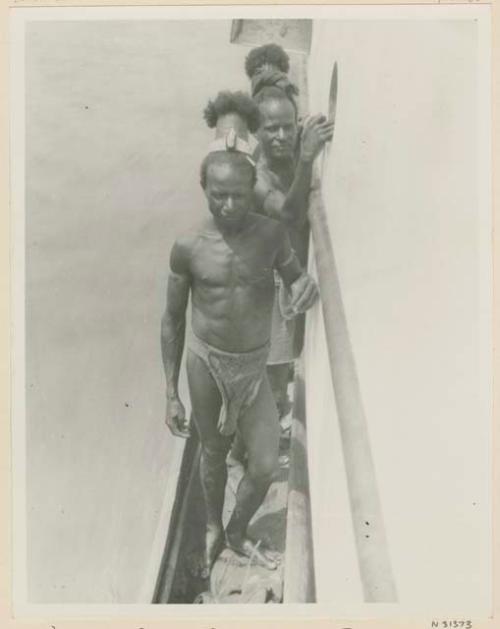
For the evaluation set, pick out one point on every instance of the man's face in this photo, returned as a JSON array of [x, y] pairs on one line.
[[278, 129], [229, 190]]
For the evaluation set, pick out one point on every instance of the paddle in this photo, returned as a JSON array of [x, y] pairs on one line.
[[332, 111], [373, 556]]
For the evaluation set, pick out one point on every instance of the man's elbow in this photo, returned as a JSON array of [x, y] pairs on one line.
[[298, 223], [164, 327], [171, 323], [293, 218]]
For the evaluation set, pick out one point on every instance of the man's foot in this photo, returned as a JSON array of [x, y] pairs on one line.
[[286, 425], [214, 543], [283, 460], [284, 409], [254, 551]]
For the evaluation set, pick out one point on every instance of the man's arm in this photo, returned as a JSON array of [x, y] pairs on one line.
[[291, 208], [302, 286], [286, 262], [173, 329]]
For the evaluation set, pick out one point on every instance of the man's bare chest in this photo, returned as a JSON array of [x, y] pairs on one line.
[[280, 181], [219, 264]]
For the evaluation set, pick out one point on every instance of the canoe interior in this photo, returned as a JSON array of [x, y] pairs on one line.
[[234, 579]]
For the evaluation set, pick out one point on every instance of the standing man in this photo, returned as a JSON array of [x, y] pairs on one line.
[[284, 175], [227, 265]]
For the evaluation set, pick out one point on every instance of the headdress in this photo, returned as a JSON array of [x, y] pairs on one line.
[[267, 66], [234, 115]]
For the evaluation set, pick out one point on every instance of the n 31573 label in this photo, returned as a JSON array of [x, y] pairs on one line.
[[451, 624]]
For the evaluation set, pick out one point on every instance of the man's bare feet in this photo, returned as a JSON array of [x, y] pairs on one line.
[[214, 543], [253, 550]]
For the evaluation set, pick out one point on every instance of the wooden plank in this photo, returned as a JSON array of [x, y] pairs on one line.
[[293, 35], [187, 476], [300, 585]]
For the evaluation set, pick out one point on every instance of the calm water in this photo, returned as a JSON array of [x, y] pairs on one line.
[[114, 142]]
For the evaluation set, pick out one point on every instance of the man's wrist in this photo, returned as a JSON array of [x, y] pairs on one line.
[[306, 158], [172, 395], [301, 276]]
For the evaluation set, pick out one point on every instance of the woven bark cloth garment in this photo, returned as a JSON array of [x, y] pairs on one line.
[[238, 376]]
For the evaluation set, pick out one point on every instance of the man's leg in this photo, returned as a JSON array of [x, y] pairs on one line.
[[237, 453], [260, 431], [279, 376], [206, 402]]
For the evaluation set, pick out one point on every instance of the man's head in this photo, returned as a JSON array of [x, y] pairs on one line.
[[228, 173], [267, 67], [228, 179], [278, 129], [265, 57]]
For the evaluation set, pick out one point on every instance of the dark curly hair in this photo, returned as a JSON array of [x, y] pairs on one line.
[[232, 102], [227, 157], [269, 53], [276, 93]]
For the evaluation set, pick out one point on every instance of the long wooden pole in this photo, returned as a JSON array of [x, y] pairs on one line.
[[366, 512], [373, 555], [369, 532]]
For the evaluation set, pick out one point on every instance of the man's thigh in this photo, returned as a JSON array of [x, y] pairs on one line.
[[259, 427], [206, 400]]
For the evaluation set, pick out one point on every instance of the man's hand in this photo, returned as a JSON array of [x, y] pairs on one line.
[[316, 132], [304, 293], [176, 418]]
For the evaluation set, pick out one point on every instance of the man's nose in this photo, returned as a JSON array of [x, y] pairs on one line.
[[228, 205], [281, 133]]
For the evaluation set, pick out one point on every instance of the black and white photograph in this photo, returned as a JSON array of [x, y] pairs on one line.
[[252, 311]]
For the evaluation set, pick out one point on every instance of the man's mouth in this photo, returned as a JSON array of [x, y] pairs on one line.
[[281, 148], [230, 217]]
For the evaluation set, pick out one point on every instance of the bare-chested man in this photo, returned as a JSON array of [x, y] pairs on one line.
[[227, 266], [284, 175]]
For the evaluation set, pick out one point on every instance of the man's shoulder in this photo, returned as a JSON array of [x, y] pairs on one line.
[[265, 176], [185, 241], [189, 238], [267, 226], [184, 247]]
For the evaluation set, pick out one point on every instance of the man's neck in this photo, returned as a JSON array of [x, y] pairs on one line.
[[280, 166], [228, 231]]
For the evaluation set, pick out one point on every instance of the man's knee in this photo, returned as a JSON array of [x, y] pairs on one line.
[[215, 448], [262, 468]]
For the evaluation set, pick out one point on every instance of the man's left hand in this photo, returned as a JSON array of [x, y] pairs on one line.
[[304, 293]]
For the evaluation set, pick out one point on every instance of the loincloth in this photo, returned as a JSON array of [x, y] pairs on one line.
[[238, 376], [282, 327]]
